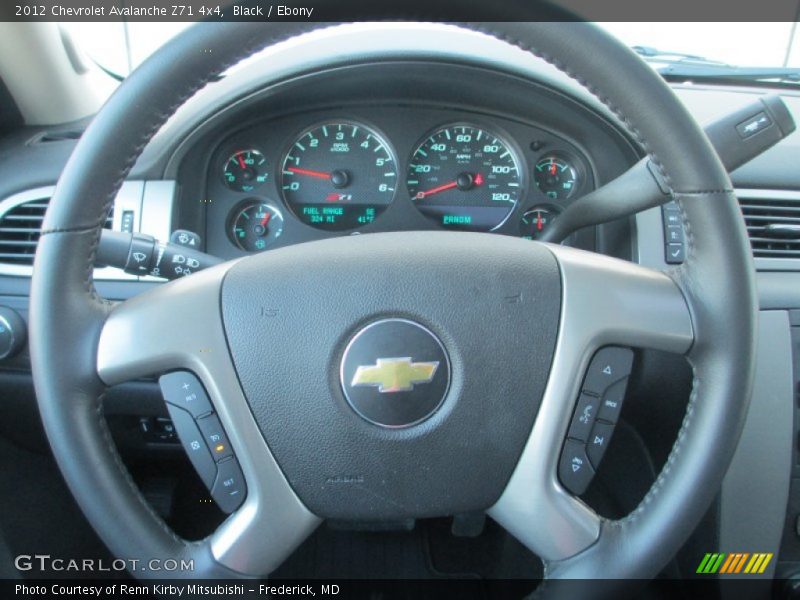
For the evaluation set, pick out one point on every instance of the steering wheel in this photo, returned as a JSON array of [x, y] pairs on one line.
[[513, 323]]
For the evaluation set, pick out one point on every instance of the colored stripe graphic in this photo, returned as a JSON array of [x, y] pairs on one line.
[[735, 563]]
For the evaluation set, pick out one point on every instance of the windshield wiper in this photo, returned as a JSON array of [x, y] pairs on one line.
[[695, 72], [651, 54], [679, 66]]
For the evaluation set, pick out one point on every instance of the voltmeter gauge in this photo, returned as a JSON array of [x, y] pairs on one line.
[[255, 225]]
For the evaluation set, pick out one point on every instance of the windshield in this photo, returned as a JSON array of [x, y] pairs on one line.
[[120, 47]]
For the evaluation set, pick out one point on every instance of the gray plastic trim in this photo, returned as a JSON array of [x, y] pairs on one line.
[[179, 326], [605, 301], [158, 208], [756, 488]]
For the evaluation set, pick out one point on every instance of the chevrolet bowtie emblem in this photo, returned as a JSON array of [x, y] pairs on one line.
[[395, 374]]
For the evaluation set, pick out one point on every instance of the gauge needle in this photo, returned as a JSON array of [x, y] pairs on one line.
[[436, 190], [539, 221], [476, 181], [266, 219], [241, 161], [318, 174]]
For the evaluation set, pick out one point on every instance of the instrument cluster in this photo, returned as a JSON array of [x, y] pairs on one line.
[[305, 177]]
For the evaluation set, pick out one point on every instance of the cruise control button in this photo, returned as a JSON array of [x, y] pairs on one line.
[[229, 488], [184, 390], [609, 364], [598, 442], [611, 403], [574, 469], [583, 418], [193, 443], [215, 437]]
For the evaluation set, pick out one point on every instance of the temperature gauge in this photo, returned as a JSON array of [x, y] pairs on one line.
[[255, 226], [536, 221]]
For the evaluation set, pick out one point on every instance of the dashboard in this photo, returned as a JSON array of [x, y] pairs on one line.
[[340, 172], [442, 146]]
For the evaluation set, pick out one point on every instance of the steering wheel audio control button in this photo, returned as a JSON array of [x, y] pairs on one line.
[[583, 418], [609, 364], [193, 443], [229, 488], [574, 469], [184, 390], [611, 404], [598, 442], [215, 437]]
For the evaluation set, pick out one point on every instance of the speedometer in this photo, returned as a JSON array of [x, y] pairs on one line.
[[338, 176], [465, 177]]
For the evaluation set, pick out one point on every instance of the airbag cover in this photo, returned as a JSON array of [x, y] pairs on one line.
[[492, 301]]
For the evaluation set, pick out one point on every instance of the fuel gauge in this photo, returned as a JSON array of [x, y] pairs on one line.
[[535, 221]]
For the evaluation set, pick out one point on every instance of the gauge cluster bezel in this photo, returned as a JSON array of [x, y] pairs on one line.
[[402, 128]]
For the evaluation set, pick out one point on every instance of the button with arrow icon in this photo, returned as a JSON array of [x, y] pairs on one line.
[[574, 469], [610, 364]]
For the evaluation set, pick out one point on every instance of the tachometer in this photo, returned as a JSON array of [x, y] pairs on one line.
[[465, 177], [339, 176]]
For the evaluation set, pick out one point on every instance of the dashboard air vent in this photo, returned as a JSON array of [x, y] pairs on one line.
[[773, 226], [20, 227]]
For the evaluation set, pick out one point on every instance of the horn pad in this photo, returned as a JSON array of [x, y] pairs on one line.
[[395, 375]]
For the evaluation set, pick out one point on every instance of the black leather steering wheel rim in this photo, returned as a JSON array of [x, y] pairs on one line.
[[717, 281]]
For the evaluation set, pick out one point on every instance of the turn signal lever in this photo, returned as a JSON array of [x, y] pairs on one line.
[[141, 254], [738, 138]]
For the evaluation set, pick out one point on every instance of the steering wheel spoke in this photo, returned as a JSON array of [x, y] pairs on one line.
[[179, 327], [605, 302]]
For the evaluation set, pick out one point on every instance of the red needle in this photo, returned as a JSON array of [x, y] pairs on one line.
[[436, 190], [318, 174], [553, 168], [266, 219], [539, 221], [477, 181], [241, 161]]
